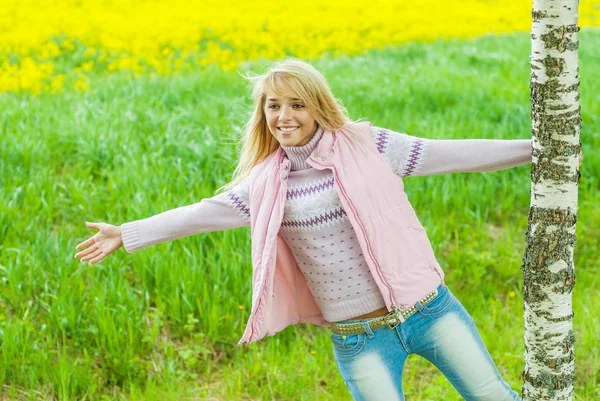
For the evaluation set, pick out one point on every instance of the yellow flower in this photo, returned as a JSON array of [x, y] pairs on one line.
[[171, 38], [87, 65], [241, 307], [512, 294], [57, 83], [89, 52], [82, 84], [49, 50], [67, 45], [313, 352]]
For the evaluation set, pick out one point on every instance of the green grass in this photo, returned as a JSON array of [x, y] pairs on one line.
[[163, 323]]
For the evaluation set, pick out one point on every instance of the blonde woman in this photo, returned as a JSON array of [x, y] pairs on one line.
[[335, 241]]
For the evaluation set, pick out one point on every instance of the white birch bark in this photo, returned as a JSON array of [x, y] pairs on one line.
[[548, 270]]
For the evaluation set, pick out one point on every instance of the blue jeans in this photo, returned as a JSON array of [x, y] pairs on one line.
[[443, 332]]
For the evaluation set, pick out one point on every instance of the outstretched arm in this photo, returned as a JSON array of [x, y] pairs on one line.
[[410, 155], [222, 212], [474, 155]]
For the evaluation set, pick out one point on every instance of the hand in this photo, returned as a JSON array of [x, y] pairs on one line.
[[105, 242], [580, 157]]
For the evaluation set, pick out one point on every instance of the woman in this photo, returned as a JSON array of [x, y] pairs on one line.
[[335, 241]]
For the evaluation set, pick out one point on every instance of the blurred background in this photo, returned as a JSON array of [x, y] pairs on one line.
[[113, 111]]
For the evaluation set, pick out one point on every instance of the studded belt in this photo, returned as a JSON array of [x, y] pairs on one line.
[[390, 320]]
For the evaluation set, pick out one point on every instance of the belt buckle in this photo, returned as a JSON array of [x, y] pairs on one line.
[[387, 320]]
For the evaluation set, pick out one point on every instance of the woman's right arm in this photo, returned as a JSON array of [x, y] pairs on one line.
[[222, 212]]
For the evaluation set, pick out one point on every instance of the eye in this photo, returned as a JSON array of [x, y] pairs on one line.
[[297, 104]]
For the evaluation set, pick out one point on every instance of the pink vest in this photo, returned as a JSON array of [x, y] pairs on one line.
[[394, 243]]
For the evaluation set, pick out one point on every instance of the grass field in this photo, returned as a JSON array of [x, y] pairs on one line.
[[163, 323]]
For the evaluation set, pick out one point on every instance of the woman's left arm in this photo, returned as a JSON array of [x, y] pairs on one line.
[[414, 156], [473, 155]]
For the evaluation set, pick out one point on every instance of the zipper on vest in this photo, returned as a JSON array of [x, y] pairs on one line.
[[391, 296]]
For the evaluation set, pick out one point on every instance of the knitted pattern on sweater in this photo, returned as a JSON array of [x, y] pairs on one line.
[[317, 230]]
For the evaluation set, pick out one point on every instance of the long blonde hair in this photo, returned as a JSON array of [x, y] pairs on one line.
[[287, 77]]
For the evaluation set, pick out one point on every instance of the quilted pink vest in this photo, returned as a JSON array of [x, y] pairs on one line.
[[394, 243]]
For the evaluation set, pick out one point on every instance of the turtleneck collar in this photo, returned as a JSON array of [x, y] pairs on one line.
[[299, 154]]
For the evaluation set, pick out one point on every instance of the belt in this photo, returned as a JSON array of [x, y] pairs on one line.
[[390, 320]]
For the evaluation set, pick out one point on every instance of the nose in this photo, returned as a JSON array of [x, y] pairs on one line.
[[285, 114]]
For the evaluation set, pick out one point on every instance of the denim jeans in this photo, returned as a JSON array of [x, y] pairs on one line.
[[443, 332]]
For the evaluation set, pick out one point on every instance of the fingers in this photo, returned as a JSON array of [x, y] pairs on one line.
[[97, 259], [85, 243], [92, 253], [97, 252], [91, 240], [86, 252]]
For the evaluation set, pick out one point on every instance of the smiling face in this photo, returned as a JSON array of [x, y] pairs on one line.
[[288, 120]]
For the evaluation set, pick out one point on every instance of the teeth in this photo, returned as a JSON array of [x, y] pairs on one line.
[[288, 129]]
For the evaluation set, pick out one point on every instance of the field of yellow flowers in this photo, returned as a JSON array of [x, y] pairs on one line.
[[49, 45]]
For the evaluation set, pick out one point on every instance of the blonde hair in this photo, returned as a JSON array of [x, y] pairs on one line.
[[288, 77]]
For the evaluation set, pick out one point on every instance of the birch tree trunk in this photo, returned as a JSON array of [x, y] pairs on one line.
[[548, 270]]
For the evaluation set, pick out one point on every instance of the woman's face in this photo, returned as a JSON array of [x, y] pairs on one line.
[[282, 112]]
